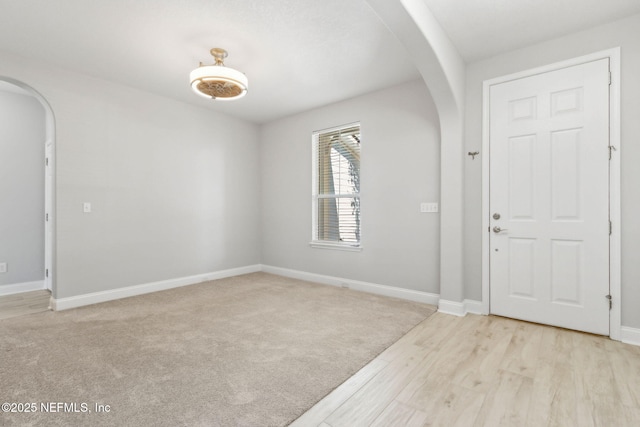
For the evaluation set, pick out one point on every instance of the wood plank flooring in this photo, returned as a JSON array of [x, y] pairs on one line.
[[24, 303], [489, 371]]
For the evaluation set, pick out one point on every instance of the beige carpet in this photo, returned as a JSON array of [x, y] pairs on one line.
[[253, 350]]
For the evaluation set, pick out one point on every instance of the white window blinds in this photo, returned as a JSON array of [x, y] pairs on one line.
[[336, 187]]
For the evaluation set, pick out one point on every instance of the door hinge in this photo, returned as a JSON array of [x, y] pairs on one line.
[[610, 228], [610, 78], [611, 150], [46, 217], [610, 302], [46, 273], [46, 161]]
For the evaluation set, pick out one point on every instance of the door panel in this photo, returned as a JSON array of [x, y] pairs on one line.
[[549, 168], [522, 268]]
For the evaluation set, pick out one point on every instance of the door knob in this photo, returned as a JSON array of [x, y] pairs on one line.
[[497, 229], [496, 215]]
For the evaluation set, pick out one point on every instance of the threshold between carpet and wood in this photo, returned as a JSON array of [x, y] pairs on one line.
[[19, 304], [251, 350]]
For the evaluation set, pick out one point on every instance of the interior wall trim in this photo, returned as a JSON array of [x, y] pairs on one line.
[[460, 309], [630, 335], [473, 307], [453, 308], [129, 291], [448, 307], [22, 287], [373, 288]]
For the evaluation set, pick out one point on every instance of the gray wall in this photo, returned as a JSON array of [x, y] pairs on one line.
[[174, 187], [22, 138], [624, 33], [400, 168], [177, 190]]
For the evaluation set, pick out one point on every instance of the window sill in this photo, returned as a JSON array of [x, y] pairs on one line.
[[336, 246]]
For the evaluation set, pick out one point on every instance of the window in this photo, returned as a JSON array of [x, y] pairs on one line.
[[336, 187]]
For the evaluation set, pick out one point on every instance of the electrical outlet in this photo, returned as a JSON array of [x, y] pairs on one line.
[[3, 267]]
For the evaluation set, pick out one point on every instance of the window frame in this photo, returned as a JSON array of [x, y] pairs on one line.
[[315, 242]]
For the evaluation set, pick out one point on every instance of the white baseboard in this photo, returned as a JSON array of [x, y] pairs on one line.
[[460, 308], [129, 291], [451, 307], [373, 288], [18, 288], [474, 307], [630, 335]]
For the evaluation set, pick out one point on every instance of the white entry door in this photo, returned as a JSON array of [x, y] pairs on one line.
[[549, 198]]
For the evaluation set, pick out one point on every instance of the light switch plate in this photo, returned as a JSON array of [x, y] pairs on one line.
[[86, 207], [428, 207], [3, 267]]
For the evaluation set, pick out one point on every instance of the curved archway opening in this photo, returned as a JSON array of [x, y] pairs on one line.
[[41, 234], [443, 71]]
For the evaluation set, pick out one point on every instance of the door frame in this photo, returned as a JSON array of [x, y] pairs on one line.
[[49, 187], [615, 286]]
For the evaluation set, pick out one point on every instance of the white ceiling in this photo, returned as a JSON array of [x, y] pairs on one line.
[[297, 54], [484, 28]]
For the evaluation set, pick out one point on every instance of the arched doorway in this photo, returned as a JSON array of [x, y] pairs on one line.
[[45, 179]]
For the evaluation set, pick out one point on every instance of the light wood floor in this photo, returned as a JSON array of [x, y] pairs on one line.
[[489, 371], [24, 303]]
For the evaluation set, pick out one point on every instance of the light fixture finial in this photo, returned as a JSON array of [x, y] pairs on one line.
[[219, 54]]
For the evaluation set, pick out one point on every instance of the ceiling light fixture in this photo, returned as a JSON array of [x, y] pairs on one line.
[[217, 81]]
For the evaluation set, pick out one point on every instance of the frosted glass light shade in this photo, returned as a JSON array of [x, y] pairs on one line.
[[219, 82]]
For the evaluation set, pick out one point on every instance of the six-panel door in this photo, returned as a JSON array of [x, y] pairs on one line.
[[549, 189]]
